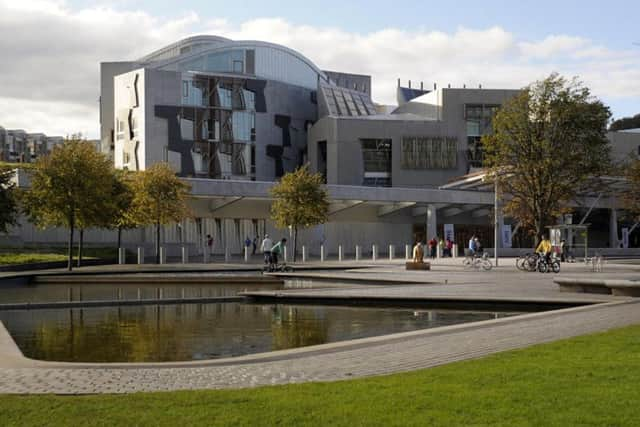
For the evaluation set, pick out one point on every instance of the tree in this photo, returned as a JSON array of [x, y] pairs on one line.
[[8, 200], [300, 201], [159, 198], [626, 123], [70, 187], [631, 198], [547, 145], [123, 192]]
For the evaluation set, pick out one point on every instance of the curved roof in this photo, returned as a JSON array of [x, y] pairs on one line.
[[196, 46]]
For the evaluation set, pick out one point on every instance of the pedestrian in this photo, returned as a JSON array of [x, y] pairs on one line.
[[247, 244], [210, 244], [472, 247], [276, 250], [479, 248], [563, 249], [433, 247], [255, 244], [448, 246], [265, 247]]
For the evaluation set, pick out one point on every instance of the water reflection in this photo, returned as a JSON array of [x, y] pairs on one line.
[[204, 331]]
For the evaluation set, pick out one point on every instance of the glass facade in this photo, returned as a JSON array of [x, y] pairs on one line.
[[429, 152], [218, 115], [478, 119], [376, 156]]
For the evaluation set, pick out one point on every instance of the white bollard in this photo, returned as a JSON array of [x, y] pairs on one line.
[[454, 250], [374, 252], [122, 256], [185, 255], [304, 253], [321, 253], [407, 252], [340, 253], [163, 255], [438, 251], [227, 255], [284, 252], [391, 252], [140, 255], [246, 254], [357, 253]]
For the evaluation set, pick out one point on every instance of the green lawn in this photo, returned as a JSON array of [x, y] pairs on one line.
[[591, 380], [31, 255]]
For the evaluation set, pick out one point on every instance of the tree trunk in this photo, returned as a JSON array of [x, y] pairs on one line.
[[80, 243], [119, 238], [158, 242], [70, 246], [295, 242]]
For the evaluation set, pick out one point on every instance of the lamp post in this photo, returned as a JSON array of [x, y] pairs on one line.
[[496, 228]]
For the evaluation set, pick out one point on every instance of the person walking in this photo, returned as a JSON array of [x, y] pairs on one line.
[[265, 248], [247, 244], [276, 250], [433, 247], [255, 244], [472, 245], [448, 246], [210, 244]]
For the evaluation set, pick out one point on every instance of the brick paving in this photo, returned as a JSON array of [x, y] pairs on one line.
[[350, 359]]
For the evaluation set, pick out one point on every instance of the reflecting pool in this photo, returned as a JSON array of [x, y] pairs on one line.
[[207, 331]]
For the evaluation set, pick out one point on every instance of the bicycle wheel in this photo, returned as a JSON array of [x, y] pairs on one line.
[[467, 262], [555, 266], [542, 267], [287, 269], [521, 263], [486, 265]]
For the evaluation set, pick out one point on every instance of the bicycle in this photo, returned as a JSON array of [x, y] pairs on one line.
[[277, 268], [527, 262], [475, 261], [545, 266]]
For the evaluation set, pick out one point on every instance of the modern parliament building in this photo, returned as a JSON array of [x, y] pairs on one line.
[[231, 117]]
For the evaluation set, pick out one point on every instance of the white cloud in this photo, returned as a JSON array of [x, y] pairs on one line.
[[50, 65]]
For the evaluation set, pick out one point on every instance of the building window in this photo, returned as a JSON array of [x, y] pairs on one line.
[[429, 153], [478, 118], [376, 156], [185, 89], [238, 67]]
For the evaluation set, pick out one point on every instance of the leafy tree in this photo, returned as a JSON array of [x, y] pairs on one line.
[[547, 144], [123, 191], [626, 123], [159, 198], [70, 188], [8, 199], [300, 201], [631, 198]]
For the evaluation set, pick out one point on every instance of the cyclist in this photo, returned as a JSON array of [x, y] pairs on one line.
[[276, 250], [544, 247]]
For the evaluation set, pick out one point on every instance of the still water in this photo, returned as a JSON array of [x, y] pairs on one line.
[[206, 331]]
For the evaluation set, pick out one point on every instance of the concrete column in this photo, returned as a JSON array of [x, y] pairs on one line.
[[304, 253], [246, 254], [454, 250], [432, 222], [122, 256], [614, 241], [374, 252], [339, 252], [357, 253], [407, 252], [391, 252], [140, 255], [321, 253], [163, 255], [185, 255]]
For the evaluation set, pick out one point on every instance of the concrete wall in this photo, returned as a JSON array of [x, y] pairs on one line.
[[108, 70]]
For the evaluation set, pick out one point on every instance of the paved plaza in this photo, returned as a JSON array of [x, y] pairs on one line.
[[364, 357]]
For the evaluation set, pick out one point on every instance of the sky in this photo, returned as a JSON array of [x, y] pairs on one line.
[[50, 50]]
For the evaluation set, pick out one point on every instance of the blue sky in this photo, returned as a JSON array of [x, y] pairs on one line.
[[499, 44]]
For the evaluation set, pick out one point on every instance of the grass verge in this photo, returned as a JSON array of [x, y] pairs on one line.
[[33, 255], [590, 380]]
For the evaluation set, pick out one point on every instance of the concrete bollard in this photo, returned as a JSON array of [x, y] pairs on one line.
[[304, 253], [374, 252], [246, 254], [163, 255], [321, 253], [122, 256], [227, 255], [454, 250], [357, 253], [407, 252], [339, 252], [391, 252], [185, 255], [140, 255], [438, 251]]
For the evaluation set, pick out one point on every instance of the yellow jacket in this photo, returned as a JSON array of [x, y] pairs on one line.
[[544, 246]]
